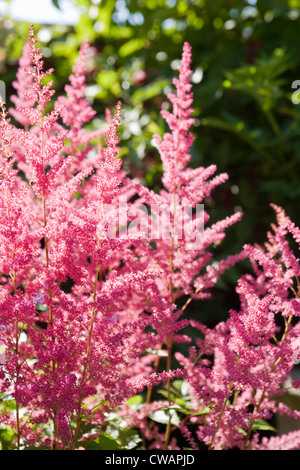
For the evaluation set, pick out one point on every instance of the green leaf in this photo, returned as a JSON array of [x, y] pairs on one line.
[[262, 425], [158, 352], [242, 431], [129, 439], [177, 384], [103, 442], [149, 91], [190, 412], [259, 425], [107, 442], [77, 195], [118, 430], [239, 130], [131, 46], [136, 400], [109, 80], [6, 437], [56, 4], [173, 398], [163, 416]]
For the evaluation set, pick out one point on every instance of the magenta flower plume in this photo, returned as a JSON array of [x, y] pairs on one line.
[[25, 97], [174, 149], [253, 354], [76, 111]]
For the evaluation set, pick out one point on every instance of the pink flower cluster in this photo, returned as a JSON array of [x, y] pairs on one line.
[[89, 321]]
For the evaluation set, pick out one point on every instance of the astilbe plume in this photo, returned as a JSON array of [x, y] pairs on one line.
[[76, 112], [59, 342], [182, 241], [252, 351], [181, 244], [25, 96], [94, 292]]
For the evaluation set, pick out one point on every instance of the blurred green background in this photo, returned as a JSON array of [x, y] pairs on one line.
[[245, 61]]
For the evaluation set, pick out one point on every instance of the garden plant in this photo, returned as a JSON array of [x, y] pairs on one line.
[[98, 350]]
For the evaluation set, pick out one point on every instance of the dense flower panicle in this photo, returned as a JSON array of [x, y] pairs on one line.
[[188, 436], [38, 146], [110, 179], [56, 321], [25, 97], [43, 93], [287, 441], [183, 239], [253, 355], [174, 149], [76, 111], [90, 312]]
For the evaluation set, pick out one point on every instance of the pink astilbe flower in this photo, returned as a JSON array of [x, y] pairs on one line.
[[42, 139], [177, 221], [25, 97], [289, 441], [174, 149], [76, 109], [182, 242], [252, 353], [188, 436], [65, 356], [76, 112]]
